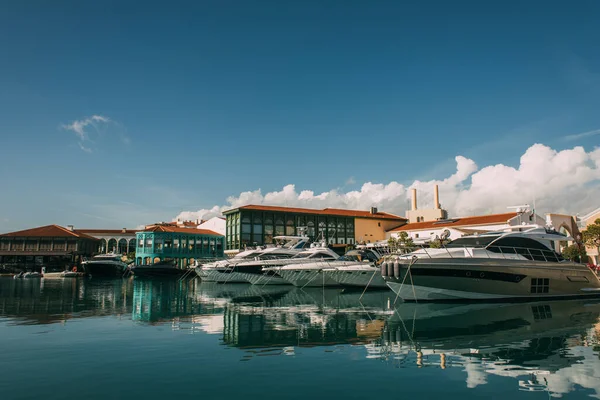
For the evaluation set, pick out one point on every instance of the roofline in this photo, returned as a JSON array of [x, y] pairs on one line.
[[322, 211], [399, 228]]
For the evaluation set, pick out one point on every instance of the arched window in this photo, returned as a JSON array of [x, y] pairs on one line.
[[102, 248], [131, 245], [279, 226], [289, 227], [123, 246], [310, 229], [112, 246]]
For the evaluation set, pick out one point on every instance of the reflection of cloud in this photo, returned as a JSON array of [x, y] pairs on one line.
[[476, 374], [558, 181], [213, 324]]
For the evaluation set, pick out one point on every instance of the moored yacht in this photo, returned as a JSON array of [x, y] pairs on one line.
[[262, 270], [105, 265], [226, 271], [510, 265], [320, 273], [160, 269]]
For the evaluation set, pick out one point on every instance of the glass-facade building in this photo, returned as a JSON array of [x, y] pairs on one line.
[[255, 227], [184, 245]]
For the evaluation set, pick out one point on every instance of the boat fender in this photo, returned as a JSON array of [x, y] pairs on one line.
[[383, 269], [396, 269]]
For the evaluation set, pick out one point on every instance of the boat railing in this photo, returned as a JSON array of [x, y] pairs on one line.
[[505, 251]]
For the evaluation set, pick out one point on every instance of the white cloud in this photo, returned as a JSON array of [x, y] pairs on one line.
[[89, 129], [566, 181]]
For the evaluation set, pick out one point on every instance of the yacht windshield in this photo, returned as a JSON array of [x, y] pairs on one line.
[[472, 241]]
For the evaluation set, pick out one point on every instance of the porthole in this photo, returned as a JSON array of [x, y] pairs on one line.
[[468, 274], [482, 275]]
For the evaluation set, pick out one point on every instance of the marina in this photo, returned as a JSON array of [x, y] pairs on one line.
[[272, 336]]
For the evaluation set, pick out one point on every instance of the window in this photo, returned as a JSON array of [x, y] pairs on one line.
[[540, 285], [310, 230], [176, 244], [140, 243], [289, 227], [257, 230], [158, 244], [268, 234], [148, 242]]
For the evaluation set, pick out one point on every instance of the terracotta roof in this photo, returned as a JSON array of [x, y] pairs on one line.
[[325, 211], [49, 231], [109, 231], [177, 229], [458, 222]]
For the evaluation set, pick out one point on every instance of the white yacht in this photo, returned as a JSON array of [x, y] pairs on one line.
[[110, 264], [261, 271], [513, 265], [320, 273], [226, 271]]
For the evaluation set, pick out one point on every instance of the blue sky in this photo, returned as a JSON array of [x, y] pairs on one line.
[[209, 99]]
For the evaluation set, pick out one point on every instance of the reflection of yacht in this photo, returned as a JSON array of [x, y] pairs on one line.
[[105, 265], [516, 265], [522, 341], [227, 271], [304, 317], [312, 274]]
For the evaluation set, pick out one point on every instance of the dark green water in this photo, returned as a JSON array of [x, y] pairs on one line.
[[124, 339]]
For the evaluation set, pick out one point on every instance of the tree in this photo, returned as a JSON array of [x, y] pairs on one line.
[[435, 244], [591, 235], [392, 243], [575, 252], [405, 242]]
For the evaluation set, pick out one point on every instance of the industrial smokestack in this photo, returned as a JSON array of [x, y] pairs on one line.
[[436, 197], [414, 199]]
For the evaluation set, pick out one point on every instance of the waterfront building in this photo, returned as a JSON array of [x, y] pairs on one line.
[[120, 241], [172, 243], [453, 228], [252, 225], [54, 247]]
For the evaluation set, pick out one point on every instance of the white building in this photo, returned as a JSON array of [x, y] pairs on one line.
[[425, 232], [215, 224]]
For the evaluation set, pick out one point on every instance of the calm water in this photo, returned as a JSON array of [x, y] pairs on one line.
[[114, 339]]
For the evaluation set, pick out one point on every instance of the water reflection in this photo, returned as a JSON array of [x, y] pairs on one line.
[[538, 346]]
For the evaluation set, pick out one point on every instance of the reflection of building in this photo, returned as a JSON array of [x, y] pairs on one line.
[[120, 241], [258, 224], [171, 243], [52, 246]]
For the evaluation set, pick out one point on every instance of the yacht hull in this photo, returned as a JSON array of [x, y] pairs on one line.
[[360, 279], [222, 276], [308, 278], [492, 280], [157, 272], [104, 269]]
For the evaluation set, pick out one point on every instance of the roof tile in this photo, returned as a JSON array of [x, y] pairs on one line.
[[49, 231]]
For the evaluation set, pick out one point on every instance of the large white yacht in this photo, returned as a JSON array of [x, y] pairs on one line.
[[513, 265], [227, 272], [313, 274], [261, 271]]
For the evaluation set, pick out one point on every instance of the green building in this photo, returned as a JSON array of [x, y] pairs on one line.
[[254, 225], [172, 243]]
